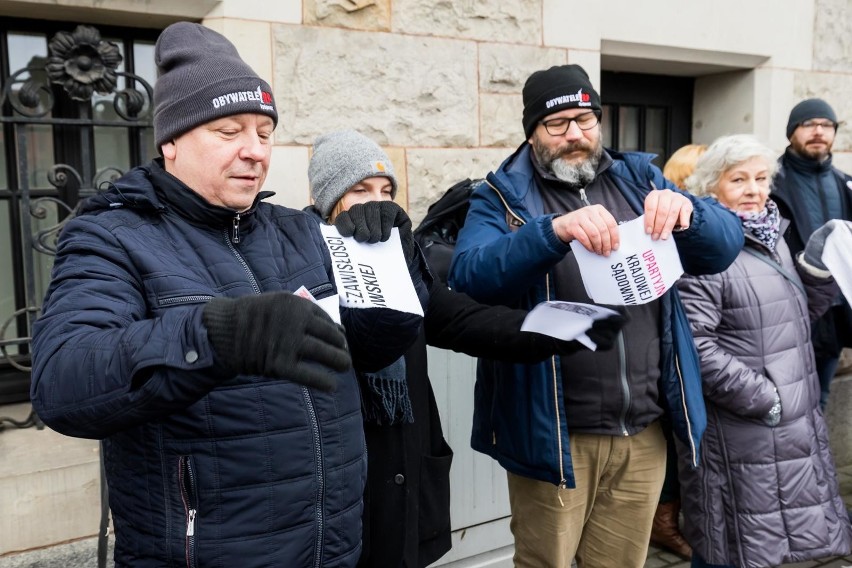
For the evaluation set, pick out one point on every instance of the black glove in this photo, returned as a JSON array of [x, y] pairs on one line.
[[816, 242], [604, 331], [372, 222], [277, 335]]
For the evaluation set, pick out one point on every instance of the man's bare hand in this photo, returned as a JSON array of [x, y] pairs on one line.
[[666, 211], [593, 226]]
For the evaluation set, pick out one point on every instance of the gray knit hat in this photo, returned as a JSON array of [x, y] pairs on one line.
[[340, 160], [202, 78]]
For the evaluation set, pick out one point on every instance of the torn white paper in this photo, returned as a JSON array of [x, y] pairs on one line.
[[565, 320], [641, 270], [371, 275], [330, 305], [837, 257]]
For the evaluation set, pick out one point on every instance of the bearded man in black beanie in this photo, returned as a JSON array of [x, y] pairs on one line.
[[581, 435], [810, 191], [181, 328]]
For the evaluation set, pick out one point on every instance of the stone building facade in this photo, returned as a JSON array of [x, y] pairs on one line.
[[438, 85]]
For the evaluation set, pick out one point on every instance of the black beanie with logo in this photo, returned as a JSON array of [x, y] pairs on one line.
[[202, 78], [806, 110], [555, 89]]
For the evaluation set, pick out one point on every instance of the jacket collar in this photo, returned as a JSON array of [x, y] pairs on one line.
[[181, 199], [806, 165], [152, 188]]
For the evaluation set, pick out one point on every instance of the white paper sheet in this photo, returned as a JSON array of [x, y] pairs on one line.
[[330, 304], [565, 320], [371, 275], [837, 256], [641, 270]]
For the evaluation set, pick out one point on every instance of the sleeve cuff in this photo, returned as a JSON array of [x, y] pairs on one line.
[[810, 268]]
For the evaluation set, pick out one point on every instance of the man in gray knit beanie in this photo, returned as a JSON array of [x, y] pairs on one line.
[[182, 327]]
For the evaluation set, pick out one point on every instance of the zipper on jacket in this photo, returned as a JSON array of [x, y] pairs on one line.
[[511, 212], [563, 483], [685, 411], [236, 253], [235, 230], [320, 473], [186, 479], [583, 197], [625, 387]]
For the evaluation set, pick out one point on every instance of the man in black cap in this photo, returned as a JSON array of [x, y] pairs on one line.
[[810, 191], [580, 435], [179, 329]]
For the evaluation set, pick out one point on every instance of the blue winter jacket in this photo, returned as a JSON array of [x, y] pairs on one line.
[[505, 254], [204, 468]]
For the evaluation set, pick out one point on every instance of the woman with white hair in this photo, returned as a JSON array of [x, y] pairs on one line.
[[765, 492]]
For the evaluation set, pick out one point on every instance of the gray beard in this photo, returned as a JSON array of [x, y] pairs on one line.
[[575, 174]]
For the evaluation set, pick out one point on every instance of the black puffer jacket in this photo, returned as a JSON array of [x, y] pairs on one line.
[[204, 469]]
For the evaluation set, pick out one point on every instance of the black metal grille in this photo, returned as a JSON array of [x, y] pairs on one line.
[[76, 106]]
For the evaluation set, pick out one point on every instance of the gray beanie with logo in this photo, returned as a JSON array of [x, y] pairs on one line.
[[202, 78], [340, 160]]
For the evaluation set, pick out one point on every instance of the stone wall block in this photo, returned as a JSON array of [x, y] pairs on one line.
[[432, 171], [832, 41], [835, 89], [504, 68], [512, 21], [373, 15], [843, 161], [399, 90], [500, 119]]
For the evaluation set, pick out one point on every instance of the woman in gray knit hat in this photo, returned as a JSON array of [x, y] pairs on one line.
[[407, 500]]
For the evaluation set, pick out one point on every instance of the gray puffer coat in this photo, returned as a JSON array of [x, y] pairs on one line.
[[762, 495]]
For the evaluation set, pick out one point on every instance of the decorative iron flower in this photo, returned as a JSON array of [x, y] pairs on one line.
[[83, 63]]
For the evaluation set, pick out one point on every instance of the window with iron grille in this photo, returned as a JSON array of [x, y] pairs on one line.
[[76, 113]]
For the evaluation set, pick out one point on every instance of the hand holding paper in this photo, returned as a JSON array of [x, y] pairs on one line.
[[641, 270], [372, 222], [371, 275], [666, 211], [589, 325], [593, 227], [835, 256], [816, 242]]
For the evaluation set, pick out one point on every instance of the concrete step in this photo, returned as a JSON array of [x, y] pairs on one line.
[[49, 486]]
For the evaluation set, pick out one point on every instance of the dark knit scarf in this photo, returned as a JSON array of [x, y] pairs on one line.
[[384, 395], [811, 204], [764, 225]]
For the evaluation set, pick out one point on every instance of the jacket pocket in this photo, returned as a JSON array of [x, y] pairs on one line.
[[434, 517], [189, 496], [182, 300]]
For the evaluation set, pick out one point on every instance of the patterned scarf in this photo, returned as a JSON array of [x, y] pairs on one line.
[[764, 225]]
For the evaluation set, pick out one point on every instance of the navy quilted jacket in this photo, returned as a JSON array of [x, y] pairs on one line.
[[204, 469]]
